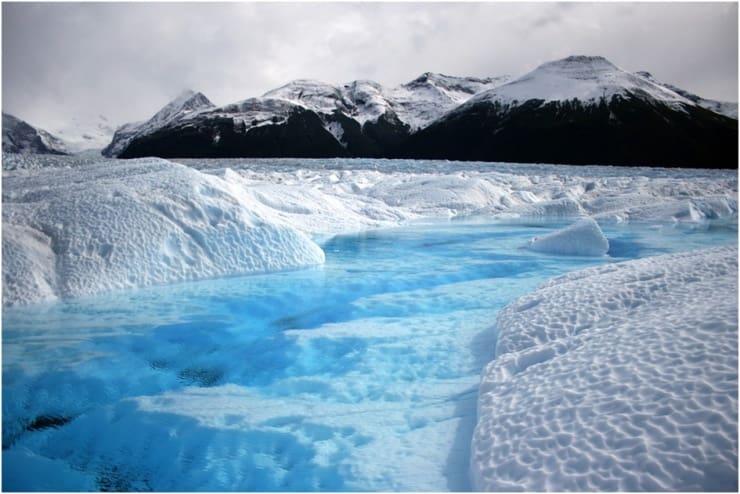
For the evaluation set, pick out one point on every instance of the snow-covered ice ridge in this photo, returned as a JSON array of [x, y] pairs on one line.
[[81, 231], [121, 224], [621, 377]]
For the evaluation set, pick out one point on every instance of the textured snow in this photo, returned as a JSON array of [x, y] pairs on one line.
[[619, 377], [368, 197], [584, 78], [74, 232], [583, 238]]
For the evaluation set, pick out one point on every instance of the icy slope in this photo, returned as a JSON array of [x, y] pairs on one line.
[[74, 232], [619, 377]]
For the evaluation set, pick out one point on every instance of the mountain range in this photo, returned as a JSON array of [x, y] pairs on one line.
[[578, 110]]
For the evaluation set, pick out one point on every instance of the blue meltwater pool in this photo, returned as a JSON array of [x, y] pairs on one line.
[[361, 374]]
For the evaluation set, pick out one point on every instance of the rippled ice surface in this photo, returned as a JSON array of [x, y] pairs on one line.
[[358, 375]]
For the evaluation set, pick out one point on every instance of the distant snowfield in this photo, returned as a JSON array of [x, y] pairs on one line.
[[123, 224], [618, 377]]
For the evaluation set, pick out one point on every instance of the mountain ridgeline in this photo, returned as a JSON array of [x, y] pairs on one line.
[[578, 110]]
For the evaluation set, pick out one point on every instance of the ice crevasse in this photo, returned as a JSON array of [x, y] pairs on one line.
[[144, 223]]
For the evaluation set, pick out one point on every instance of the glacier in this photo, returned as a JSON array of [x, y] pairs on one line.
[[81, 230], [622, 376]]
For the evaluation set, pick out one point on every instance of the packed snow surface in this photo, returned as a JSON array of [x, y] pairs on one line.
[[618, 377], [583, 238]]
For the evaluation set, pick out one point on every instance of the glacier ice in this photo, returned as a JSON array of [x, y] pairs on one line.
[[583, 238], [68, 233], [82, 225], [598, 374]]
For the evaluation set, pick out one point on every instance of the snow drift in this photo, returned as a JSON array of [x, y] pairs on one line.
[[618, 377], [68, 233]]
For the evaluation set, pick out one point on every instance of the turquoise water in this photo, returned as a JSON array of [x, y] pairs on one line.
[[361, 374]]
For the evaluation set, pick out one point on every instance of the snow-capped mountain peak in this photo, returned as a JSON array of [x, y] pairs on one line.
[[436, 116], [185, 103], [584, 78], [427, 97]]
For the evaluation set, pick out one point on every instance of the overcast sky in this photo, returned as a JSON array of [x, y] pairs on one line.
[[125, 61]]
